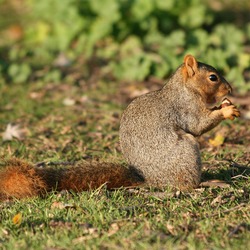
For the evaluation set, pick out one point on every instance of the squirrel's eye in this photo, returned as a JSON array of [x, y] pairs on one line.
[[213, 78]]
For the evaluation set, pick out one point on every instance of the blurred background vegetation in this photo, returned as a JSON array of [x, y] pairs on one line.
[[125, 40]]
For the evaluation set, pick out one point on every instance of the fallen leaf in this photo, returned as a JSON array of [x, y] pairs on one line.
[[61, 205], [17, 219], [15, 32], [247, 115], [69, 101], [171, 229], [114, 228], [218, 199], [92, 233], [36, 95], [217, 141], [62, 60], [134, 91], [5, 231], [215, 183], [13, 131], [61, 224]]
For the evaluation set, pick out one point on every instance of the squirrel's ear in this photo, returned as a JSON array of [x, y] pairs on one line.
[[190, 66]]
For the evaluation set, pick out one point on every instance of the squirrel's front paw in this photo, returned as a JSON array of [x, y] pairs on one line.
[[230, 112]]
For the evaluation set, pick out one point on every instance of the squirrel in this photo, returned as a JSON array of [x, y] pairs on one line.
[[158, 132]]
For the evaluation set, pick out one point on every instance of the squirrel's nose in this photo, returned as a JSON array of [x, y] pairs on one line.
[[230, 90], [228, 86]]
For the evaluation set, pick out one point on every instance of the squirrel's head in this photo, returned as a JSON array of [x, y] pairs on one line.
[[204, 79]]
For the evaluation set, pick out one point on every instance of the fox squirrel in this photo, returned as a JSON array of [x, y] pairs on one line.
[[158, 133]]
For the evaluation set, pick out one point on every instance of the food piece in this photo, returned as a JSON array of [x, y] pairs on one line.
[[226, 102]]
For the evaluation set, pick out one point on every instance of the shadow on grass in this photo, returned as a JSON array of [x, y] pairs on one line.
[[235, 170]]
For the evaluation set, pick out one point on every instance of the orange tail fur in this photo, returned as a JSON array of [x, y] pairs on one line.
[[19, 179]]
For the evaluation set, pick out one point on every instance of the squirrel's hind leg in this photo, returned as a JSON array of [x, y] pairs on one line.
[[178, 167], [187, 164]]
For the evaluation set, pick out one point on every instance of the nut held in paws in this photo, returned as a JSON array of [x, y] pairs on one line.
[[226, 102]]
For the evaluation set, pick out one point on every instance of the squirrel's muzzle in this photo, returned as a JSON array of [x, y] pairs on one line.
[[230, 89], [227, 86]]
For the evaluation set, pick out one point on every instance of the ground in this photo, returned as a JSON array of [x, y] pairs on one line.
[[76, 120]]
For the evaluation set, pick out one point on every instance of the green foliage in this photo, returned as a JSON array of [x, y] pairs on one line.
[[134, 38], [19, 72]]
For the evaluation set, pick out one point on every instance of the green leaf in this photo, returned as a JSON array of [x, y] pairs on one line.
[[164, 5], [141, 9], [135, 67], [19, 73], [228, 37], [108, 9], [193, 17]]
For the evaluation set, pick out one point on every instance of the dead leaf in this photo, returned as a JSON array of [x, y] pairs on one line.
[[92, 233], [171, 229], [218, 199], [69, 101], [114, 228], [57, 204], [17, 219], [62, 60], [217, 141], [84, 99], [5, 231], [13, 131], [60, 224], [247, 115], [36, 95], [134, 91], [61, 205], [215, 183], [15, 32]]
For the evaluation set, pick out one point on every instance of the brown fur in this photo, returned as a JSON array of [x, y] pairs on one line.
[[20, 179], [158, 130], [95, 175]]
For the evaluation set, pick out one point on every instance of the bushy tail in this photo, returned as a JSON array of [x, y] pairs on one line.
[[19, 179]]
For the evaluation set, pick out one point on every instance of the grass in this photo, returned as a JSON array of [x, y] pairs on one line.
[[87, 127], [119, 219]]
